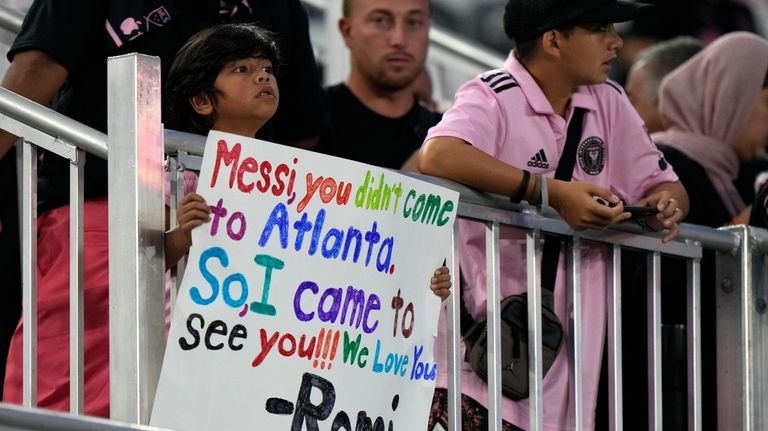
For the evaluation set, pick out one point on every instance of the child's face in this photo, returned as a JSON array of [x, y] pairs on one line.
[[588, 52], [246, 96]]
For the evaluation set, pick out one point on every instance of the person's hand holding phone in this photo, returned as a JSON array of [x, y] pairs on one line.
[[639, 212], [636, 212], [669, 213], [582, 206]]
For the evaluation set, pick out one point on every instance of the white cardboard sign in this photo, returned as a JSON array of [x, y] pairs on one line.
[[306, 302]]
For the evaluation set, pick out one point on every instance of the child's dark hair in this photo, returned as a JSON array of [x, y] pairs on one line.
[[199, 61]]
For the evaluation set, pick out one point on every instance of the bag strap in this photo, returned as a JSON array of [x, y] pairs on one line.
[[564, 172], [552, 244]]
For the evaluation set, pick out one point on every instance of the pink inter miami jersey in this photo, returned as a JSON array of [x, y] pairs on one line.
[[504, 113]]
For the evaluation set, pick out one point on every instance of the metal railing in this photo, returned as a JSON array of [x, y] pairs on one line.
[[741, 260], [136, 235], [40, 127], [13, 418], [135, 143], [136, 238], [614, 240]]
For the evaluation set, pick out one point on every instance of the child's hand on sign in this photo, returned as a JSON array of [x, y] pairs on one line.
[[192, 212], [440, 283]]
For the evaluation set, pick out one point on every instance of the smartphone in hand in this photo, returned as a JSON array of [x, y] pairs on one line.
[[637, 212], [640, 212]]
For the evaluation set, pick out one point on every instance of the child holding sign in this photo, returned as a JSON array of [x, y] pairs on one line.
[[223, 79]]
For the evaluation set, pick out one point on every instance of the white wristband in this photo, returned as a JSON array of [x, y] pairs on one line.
[[545, 208]]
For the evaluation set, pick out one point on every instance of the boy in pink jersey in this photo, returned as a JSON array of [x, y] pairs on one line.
[[505, 134]]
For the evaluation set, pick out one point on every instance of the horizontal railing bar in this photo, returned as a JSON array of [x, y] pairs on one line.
[[42, 140], [15, 418], [706, 237], [182, 141], [37, 116], [532, 220]]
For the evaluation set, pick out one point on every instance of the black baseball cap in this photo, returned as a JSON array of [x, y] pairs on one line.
[[525, 20]]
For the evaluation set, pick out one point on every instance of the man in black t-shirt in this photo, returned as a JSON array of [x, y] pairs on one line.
[[63, 46], [374, 115], [59, 58]]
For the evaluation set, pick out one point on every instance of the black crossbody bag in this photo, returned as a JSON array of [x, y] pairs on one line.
[[514, 309]]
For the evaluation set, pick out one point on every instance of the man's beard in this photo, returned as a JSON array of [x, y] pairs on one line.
[[391, 82]]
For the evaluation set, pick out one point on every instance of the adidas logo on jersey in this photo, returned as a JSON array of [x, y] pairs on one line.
[[499, 80], [539, 160]]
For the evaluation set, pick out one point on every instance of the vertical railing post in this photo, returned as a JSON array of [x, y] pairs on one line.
[[28, 225], [759, 327], [535, 350], [76, 306], [176, 174], [694, 344], [493, 279], [615, 376], [453, 338], [576, 321], [740, 321], [655, 412], [136, 228]]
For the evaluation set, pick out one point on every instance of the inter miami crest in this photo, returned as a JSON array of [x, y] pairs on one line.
[[592, 155]]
